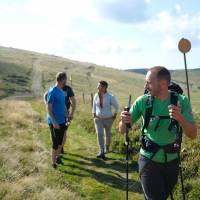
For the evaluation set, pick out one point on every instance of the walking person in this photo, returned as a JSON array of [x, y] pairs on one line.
[[57, 116], [70, 107], [163, 122], [103, 116]]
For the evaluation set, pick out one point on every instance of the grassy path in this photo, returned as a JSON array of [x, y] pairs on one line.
[[25, 171], [96, 179]]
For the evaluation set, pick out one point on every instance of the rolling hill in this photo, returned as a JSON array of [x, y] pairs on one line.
[[17, 68], [25, 143]]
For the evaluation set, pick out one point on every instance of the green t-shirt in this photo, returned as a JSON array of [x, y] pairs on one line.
[[162, 135]]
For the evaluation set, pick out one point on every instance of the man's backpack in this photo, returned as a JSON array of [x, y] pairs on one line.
[[151, 146]]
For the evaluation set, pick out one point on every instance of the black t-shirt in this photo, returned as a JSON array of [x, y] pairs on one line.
[[68, 93]]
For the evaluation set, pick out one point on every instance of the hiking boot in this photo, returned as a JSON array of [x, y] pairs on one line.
[[101, 155], [106, 149], [59, 161], [54, 166], [62, 151]]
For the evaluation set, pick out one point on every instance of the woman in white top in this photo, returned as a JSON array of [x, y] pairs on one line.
[[103, 116]]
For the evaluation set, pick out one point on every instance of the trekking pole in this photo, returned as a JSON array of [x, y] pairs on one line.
[[127, 141], [184, 46], [179, 135], [181, 177]]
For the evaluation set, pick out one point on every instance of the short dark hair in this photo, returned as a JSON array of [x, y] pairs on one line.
[[103, 83], [60, 76], [162, 73]]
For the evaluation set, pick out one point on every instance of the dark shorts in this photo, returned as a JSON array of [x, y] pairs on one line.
[[57, 135], [157, 179]]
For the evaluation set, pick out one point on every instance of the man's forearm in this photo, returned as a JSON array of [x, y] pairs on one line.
[[190, 129], [53, 119], [73, 109], [73, 103], [122, 127]]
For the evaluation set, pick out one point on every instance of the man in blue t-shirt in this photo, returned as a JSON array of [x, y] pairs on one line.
[[57, 115], [70, 104]]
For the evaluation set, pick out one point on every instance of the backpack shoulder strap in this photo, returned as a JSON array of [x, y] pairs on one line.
[[148, 112], [174, 123]]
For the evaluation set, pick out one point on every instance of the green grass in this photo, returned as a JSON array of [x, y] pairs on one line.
[[14, 79], [25, 163], [25, 160], [25, 143]]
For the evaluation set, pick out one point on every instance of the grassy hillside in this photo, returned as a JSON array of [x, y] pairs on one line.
[[25, 143], [194, 84], [84, 75], [139, 70]]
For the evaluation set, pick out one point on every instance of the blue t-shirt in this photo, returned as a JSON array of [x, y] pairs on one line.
[[56, 97]]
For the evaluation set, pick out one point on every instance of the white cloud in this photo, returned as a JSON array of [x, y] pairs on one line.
[[162, 22], [62, 10], [177, 8], [169, 43], [108, 45], [44, 26], [110, 52], [171, 28], [147, 1]]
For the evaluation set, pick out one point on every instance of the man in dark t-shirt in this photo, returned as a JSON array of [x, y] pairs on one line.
[[68, 95], [70, 103]]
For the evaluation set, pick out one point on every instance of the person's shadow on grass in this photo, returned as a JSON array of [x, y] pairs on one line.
[[115, 171]]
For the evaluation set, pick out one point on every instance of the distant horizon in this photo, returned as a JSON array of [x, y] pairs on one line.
[[164, 66], [124, 69]]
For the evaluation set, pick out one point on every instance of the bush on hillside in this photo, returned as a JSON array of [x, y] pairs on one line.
[[87, 124], [118, 140]]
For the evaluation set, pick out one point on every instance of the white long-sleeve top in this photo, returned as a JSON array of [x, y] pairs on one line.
[[109, 101]]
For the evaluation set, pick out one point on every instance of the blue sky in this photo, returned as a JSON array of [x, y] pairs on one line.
[[115, 33]]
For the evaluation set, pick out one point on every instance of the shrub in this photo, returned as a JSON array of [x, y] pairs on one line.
[[118, 141]]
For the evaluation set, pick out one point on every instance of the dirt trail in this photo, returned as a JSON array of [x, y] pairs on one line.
[[36, 78]]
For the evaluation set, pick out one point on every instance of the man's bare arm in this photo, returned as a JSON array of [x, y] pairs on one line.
[[190, 129], [49, 110], [73, 104]]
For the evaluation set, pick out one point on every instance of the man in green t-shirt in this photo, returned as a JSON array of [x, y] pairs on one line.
[[159, 170]]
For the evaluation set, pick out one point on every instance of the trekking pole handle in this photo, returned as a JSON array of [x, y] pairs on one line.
[[127, 109]]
